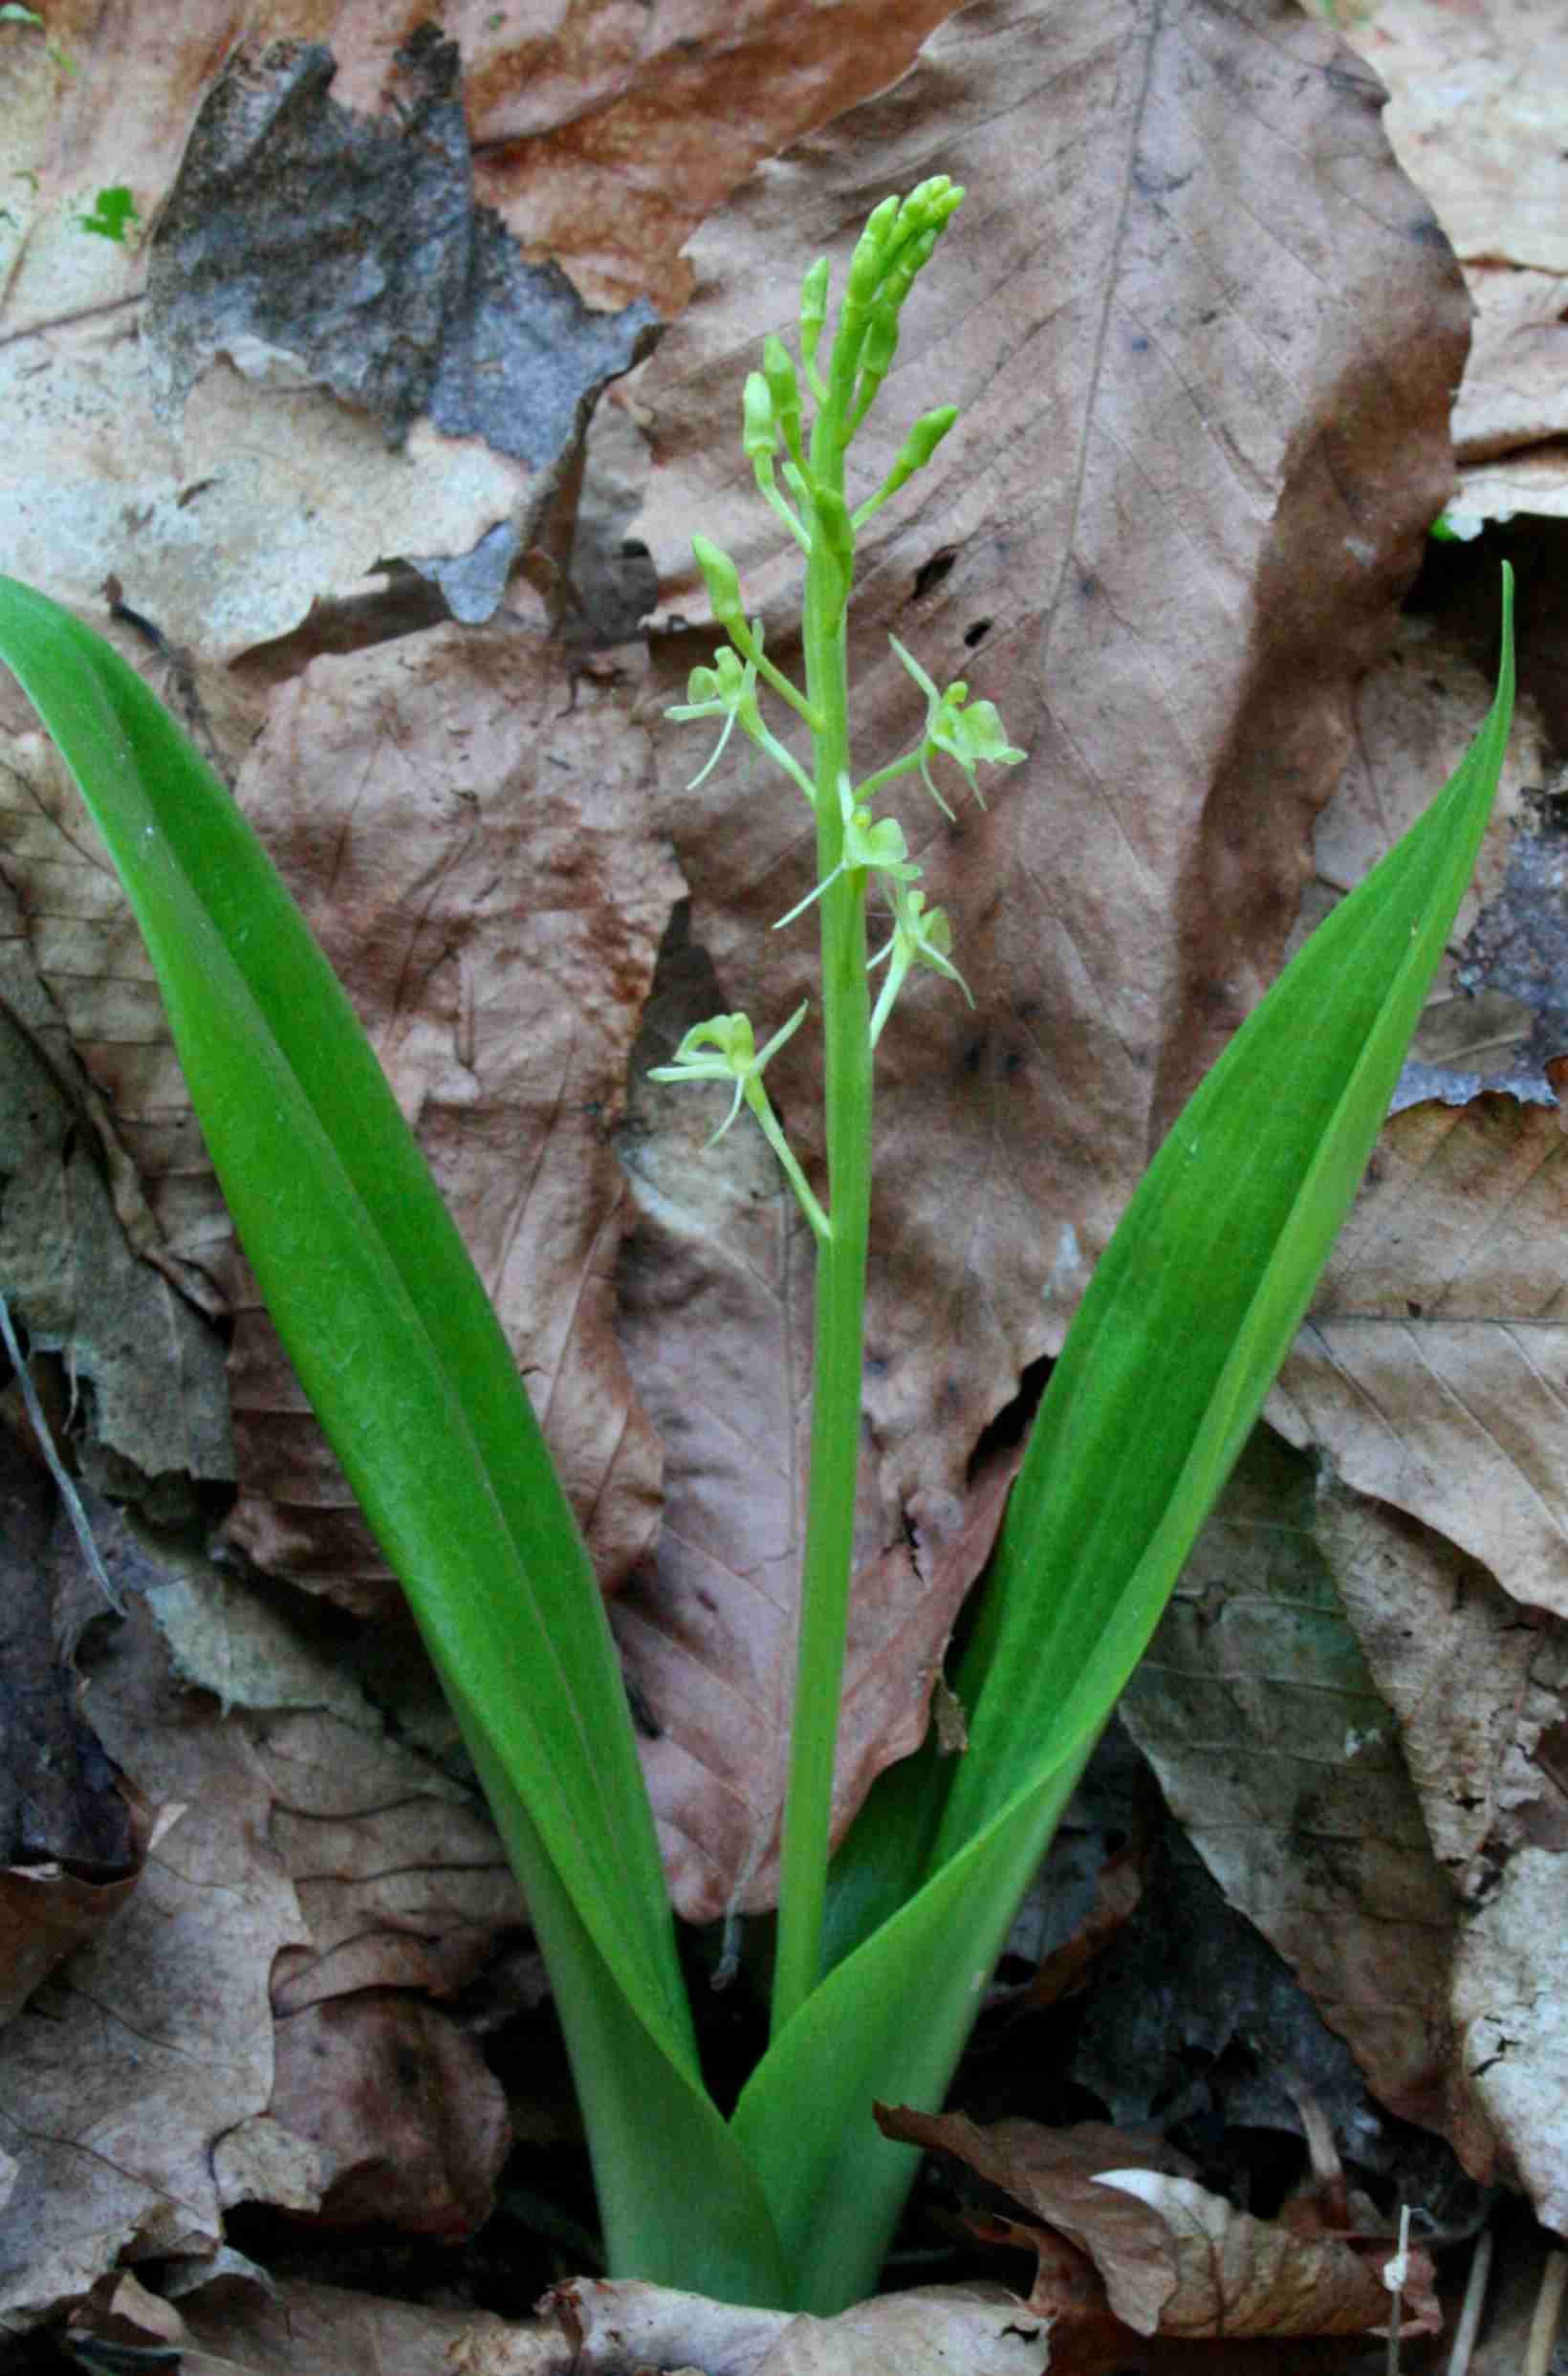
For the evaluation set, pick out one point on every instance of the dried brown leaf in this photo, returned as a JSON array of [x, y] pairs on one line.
[[463, 826], [1427, 1372]]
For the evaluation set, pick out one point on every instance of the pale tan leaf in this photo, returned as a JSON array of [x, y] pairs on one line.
[[1467, 120], [1480, 1690], [1430, 1371]]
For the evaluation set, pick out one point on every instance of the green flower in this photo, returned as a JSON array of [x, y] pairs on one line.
[[919, 937], [875, 845], [730, 690], [727, 690], [724, 1049], [968, 735]]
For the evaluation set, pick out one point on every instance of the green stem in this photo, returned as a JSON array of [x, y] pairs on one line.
[[781, 757], [841, 1288], [885, 776], [756, 1098], [746, 643]]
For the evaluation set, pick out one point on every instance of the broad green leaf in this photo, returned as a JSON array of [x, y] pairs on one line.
[[1189, 1314], [373, 1293], [888, 2025], [678, 2202], [396, 1343]]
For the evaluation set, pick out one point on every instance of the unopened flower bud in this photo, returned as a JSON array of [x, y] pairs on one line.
[[722, 578], [784, 388], [759, 432]]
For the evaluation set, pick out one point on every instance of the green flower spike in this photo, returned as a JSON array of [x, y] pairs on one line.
[[724, 1049], [919, 937], [967, 736], [877, 847]]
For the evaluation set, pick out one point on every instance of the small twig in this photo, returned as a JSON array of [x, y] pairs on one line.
[[1475, 2302], [46, 1443], [1548, 2318]]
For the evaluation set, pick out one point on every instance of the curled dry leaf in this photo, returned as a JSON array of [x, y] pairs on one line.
[[927, 2331], [284, 2327], [1174, 2258], [587, 2327]]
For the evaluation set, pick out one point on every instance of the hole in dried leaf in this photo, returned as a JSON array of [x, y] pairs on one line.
[[1013, 1422], [930, 574]]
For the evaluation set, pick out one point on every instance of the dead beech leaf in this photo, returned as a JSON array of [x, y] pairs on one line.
[[1512, 414], [1175, 2259], [1241, 2276], [266, 493], [1480, 1689], [401, 1879], [1490, 165], [447, 330], [462, 823], [146, 1412], [328, 2080], [1166, 537], [1360, 1731]]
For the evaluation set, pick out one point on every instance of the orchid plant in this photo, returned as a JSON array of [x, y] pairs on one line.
[[790, 2198]]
